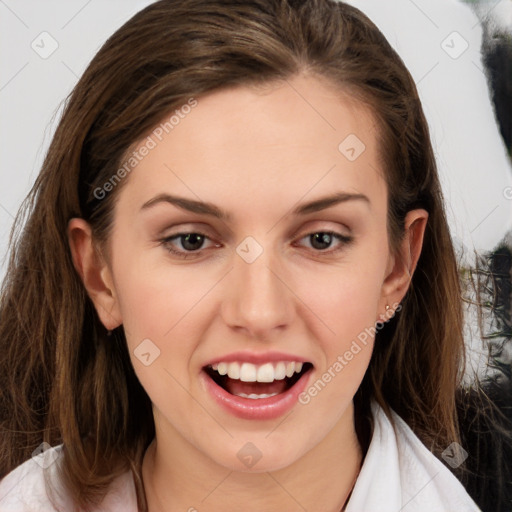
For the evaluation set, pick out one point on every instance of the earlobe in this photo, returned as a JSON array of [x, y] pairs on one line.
[[94, 273], [403, 264]]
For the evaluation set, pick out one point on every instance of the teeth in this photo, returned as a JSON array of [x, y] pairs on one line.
[[254, 396], [265, 373], [248, 372], [234, 371], [268, 372], [222, 368], [280, 371]]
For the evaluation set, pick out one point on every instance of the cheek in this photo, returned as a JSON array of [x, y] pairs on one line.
[[348, 305], [165, 307], [155, 298], [345, 300], [168, 307]]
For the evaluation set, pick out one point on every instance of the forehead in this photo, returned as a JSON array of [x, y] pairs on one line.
[[244, 143]]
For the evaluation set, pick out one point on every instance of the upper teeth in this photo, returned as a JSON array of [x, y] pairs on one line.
[[267, 372]]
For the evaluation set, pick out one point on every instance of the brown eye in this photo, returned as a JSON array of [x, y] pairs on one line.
[[322, 240], [189, 243], [192, 241]]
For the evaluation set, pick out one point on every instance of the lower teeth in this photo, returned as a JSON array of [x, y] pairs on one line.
[[254, 396]]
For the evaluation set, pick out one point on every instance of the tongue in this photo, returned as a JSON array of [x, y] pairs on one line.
[[235, 387]]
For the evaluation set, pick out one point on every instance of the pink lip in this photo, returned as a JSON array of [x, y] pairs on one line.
[[257, 409], [256, 358]]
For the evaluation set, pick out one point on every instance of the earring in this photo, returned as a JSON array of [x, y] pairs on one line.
[[387, 307]]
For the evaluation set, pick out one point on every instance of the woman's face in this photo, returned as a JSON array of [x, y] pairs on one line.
[[258, 283]]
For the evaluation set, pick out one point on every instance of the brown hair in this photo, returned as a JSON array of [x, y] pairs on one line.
[[61, 379]]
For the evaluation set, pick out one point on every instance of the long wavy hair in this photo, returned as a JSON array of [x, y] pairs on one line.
[[62, 379]]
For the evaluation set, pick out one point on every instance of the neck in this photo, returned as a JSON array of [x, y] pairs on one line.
[[177, 477]]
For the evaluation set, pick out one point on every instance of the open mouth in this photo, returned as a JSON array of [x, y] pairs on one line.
[[255, 382]]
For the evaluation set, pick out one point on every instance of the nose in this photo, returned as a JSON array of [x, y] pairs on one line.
[[258, 299]]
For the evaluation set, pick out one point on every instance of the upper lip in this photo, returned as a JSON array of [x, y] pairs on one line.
[[256, 358]]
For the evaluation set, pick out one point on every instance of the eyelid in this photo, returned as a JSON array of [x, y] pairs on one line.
[[322, 225], [344, 241], [166, 243]]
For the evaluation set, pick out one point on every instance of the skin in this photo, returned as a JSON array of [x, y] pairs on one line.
[[256, 153]]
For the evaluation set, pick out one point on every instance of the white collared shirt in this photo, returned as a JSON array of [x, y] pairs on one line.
[[399, 474]]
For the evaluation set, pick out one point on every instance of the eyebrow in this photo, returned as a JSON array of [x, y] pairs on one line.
[[210, 209]]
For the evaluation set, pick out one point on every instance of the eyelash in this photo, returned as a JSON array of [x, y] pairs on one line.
[[344, 239]]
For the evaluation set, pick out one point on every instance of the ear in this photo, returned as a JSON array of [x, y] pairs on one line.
[[94, 272], [402, 265]]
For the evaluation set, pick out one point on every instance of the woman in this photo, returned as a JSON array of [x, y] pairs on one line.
[[244, 284]]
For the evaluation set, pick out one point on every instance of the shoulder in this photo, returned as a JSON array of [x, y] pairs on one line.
[[24, 488], [27, 488], [424, 476], [400, 473]]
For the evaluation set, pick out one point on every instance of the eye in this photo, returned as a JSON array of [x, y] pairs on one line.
[[190, 242], [322, 240]]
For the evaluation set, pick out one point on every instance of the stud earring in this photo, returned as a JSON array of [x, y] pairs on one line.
[[387, 307]]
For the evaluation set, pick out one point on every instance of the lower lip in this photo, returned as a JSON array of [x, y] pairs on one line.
[[258, 408]]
